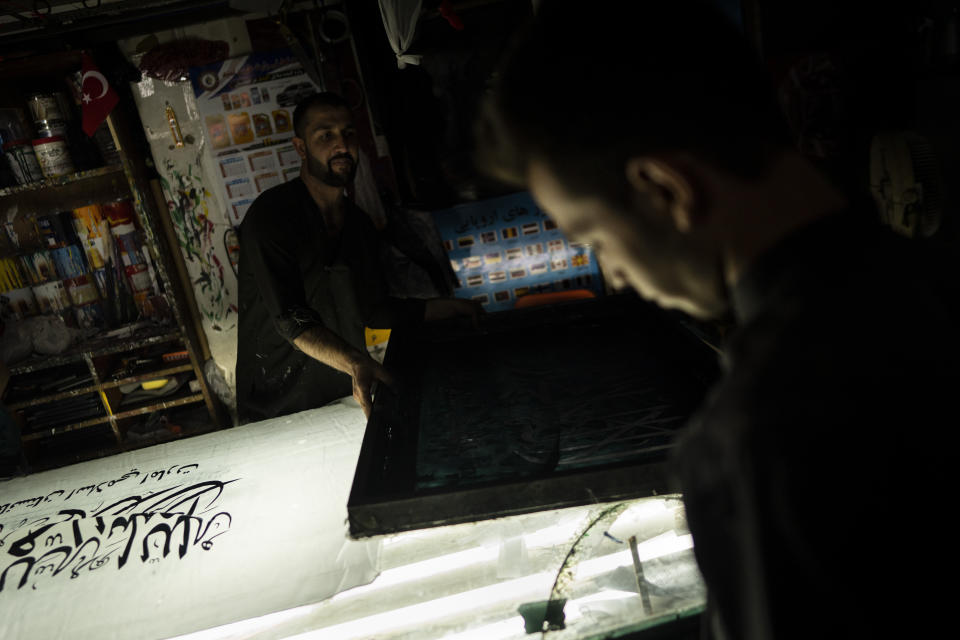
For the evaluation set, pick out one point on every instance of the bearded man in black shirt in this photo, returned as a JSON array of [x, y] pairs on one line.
[[310, 280], [817, 475]]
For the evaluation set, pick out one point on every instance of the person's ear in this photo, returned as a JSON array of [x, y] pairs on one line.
[[301, 147], [666, 187]]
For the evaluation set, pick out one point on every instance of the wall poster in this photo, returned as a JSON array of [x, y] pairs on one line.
[[505, 248], [246, 105]]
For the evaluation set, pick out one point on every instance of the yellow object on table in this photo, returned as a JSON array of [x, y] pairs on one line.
[[376, 341], [149, 385]]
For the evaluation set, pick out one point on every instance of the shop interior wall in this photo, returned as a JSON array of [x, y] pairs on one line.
[[893, 69]]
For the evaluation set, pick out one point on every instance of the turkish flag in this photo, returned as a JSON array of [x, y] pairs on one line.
[[97, 98]]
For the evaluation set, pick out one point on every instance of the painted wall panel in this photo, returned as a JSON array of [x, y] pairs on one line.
[[197, 213], [188, 177]]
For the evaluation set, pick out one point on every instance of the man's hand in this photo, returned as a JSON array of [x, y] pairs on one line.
[[444, 308], [322, 344], [365, 372]]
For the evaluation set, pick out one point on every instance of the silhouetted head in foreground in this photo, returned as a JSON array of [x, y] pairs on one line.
[[650, 132]]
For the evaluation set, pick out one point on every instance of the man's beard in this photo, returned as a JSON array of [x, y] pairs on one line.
[[327, 175]]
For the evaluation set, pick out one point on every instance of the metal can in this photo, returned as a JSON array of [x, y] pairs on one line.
[[50, 128], [53, 156], [45, 106], [23, 161]]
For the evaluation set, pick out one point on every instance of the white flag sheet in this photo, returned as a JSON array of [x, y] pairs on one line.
[[187, 535]]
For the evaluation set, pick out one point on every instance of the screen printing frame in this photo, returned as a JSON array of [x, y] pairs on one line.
[[384, 497]]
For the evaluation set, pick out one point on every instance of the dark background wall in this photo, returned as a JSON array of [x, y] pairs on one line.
[[427, 110], [847, 71], [843, 71]]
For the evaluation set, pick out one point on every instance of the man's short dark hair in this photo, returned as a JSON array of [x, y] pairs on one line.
[[584, 89], [322, 99]]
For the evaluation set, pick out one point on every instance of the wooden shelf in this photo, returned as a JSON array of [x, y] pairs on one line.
[[92, 449], [53, 397], [44, 64], [159, 405], [100, 354], [162, 373], [53, 195], [93, 388], [99, 345], [147, 406], [54, 431], [60, 181]]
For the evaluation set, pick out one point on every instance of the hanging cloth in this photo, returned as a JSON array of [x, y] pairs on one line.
[[400, 21]]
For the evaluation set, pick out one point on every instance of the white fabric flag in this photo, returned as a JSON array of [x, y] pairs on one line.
[[400, 21], [185, 536]]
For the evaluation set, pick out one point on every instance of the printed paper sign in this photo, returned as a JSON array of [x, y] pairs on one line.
[[247, 105], [505, 248]]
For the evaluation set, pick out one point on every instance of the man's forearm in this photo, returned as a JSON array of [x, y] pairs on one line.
[[324, 345]]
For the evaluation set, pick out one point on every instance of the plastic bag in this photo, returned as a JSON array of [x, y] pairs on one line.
[[50, 335]]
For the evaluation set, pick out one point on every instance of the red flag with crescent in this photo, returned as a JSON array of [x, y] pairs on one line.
[[97, 97]]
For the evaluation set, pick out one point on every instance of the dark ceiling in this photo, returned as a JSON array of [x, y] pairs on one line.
[[48, 24]]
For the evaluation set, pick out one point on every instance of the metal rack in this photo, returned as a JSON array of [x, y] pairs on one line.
[[98, 354]]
